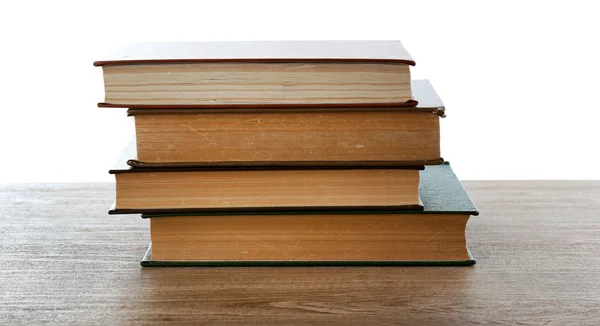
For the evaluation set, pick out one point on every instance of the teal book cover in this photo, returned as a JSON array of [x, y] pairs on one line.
[[441, 193]]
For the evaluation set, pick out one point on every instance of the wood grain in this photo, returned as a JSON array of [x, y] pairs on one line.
[[66, 262]]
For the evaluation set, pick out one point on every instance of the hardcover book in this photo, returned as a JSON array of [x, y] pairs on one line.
[[218, 189], [292, 137], [433, 236], [258, 74]]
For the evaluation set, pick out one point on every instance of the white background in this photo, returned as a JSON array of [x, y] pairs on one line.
[[519, 78]]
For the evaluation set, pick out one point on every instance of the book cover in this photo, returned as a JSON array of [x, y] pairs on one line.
[[441, 193], [257, 74], [286, 186], [259, 51]]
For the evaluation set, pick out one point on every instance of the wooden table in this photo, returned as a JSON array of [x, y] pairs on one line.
[[64, 260]]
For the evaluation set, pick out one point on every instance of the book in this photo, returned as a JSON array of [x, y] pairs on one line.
[[292, 137], [433, 236], [250, 74], [216, 189]]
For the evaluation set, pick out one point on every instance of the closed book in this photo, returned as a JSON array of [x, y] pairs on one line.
[[257, 74], [230, 189], [292, 137], [433, 236]]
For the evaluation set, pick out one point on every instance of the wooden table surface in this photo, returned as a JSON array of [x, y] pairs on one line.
[[65, 261]]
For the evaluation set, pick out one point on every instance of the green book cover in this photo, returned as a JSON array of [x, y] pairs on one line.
[[148, 262], [441, 193]]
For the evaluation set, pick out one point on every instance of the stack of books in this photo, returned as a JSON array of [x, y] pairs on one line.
[[285, 153]]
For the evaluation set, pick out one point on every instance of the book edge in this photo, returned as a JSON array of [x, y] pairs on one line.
[[148, 262], [261, 210], [306, 212], [280, 165], [433, 109], [125, 62], [409, 103]]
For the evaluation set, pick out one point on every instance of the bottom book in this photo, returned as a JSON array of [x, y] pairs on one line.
[[148, 261], [433, 236]]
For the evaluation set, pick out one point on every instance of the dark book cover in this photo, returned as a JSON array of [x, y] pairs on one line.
[[148, 262], [441, 193]]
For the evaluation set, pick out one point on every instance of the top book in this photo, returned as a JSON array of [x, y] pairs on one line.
[[258, 74]]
